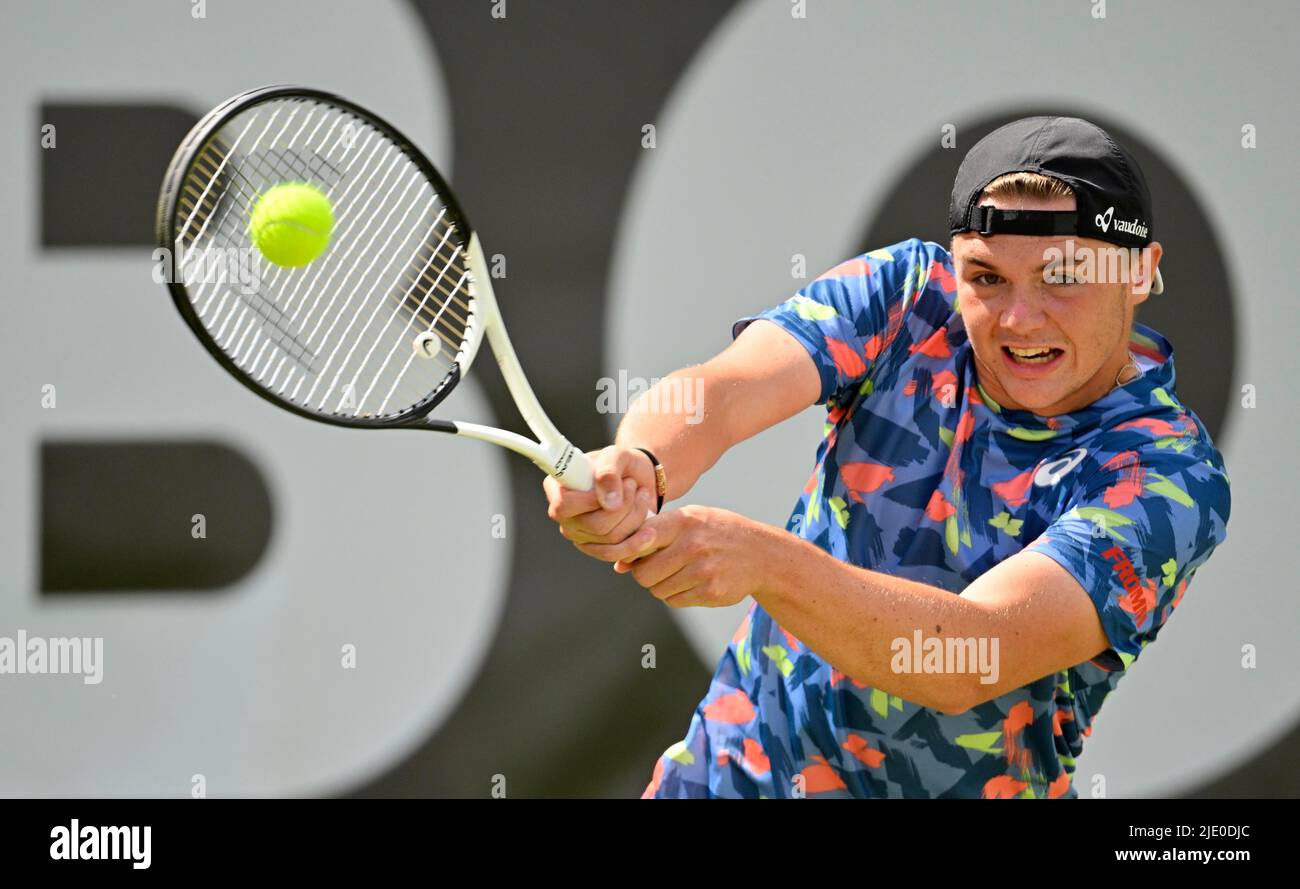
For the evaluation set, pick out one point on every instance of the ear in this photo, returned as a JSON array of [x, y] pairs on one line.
[[1144, 272]]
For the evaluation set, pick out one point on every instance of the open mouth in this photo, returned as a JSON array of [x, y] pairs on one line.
[[1032, 356]]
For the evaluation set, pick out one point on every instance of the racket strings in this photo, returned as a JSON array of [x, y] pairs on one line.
[[425, 284], [241, 200], [253, 188], [341, 335], [267, 311], [263, 309]]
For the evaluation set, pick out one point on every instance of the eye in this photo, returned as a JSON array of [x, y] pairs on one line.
[[988, 279], [1061, 275]]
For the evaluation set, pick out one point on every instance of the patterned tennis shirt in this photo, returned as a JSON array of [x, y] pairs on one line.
[[921, 475]]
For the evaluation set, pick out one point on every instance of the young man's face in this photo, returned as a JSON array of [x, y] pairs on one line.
[[1047, 347]]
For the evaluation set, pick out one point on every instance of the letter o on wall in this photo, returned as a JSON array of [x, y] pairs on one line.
[[760, 162]]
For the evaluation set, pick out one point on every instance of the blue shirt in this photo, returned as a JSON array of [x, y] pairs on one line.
[[921, 475]]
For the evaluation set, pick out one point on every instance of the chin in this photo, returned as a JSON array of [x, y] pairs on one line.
[[1033, 398]]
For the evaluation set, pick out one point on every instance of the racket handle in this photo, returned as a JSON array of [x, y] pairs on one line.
[[573, 469]]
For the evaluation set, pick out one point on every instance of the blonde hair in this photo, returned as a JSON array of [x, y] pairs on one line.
[[1027, 185], [1024, 185]]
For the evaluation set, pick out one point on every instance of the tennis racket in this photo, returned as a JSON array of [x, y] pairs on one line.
[[379, 328]]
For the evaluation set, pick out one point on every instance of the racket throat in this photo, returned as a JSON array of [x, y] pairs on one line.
[[552, 452]]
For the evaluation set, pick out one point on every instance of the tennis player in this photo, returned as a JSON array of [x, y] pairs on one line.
[[1007, 506]]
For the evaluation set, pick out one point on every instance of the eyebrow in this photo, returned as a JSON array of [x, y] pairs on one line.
[[988, 265]]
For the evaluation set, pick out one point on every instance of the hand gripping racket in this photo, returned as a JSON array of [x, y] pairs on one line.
[[380, 327]]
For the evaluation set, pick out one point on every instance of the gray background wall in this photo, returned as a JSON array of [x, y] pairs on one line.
[[477, 655]]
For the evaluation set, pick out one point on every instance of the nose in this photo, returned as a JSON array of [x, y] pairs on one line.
[[1023, 310]]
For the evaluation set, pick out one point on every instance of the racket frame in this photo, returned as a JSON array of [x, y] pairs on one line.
[[552, 452]]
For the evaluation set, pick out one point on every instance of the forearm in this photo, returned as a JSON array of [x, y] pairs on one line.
[[851, 617], [682, 423]]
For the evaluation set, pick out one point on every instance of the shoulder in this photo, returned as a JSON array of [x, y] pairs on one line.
[[920, 259], [913, 257], [1160, 455], [882, 289]]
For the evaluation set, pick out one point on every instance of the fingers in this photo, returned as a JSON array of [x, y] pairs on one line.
[[654, 562], [637, 512], [650, 569], [607, 479], [669, 580], [688, 599], [641, 543], [622, 476], [606, 526], [677, 585], [610, 466], [565, 503]]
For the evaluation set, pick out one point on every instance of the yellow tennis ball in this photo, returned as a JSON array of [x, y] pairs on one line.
[[291, 223]]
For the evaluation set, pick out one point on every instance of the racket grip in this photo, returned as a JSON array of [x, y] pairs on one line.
[[573, 469]]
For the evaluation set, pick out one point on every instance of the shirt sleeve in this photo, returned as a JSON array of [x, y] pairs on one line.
[[854, 313], [1134, 535]]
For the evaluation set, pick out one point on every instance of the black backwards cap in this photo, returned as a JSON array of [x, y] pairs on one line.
[[1112, 201]]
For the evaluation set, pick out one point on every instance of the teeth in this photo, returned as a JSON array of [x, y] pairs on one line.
[[1035, 356]]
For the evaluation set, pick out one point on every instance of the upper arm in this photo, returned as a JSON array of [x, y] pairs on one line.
[[855, 317], [1043, 619], [763, 377]]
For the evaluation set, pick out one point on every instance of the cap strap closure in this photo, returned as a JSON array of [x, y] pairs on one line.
[[988, 220]]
